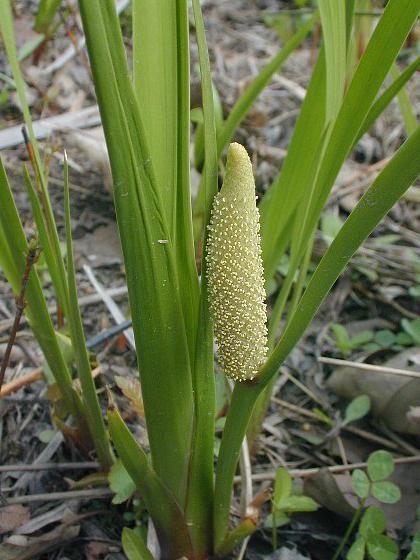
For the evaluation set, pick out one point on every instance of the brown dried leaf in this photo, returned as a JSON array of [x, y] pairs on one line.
[[331, 491], [12, 517], [130, 387]]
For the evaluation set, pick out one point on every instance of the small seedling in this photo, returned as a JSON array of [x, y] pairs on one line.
[[346, 343], [285, 502]]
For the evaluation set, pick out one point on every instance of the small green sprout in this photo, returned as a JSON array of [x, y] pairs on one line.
[[285, 502]]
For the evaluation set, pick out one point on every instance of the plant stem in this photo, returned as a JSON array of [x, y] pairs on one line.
[[349, 530], [31, 258]]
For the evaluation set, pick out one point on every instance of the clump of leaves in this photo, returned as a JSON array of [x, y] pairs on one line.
[[370, 341], [286, 501]]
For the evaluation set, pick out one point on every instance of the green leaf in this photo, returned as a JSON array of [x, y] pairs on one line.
[[162, 89], [381, 547], [164, 337], [282, 486], [280, 517], [360, 339], [90, 399], [386, 492], [415, 545], [121, 483], [46, 12], [14, 248], [412, 328], [199, 508], [358, 408], [342, 338], [333, 19], [407, 113], [360, 483], [294, 504], [373, 521], [134, 546], [380, 465], [385, 98], [330, 226], [167, 516], [385, 338], [357, 550]]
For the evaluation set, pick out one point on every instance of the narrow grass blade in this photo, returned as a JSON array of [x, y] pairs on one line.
[[149, 253], [387, 96], [279, 205], [13, 261], [7, 31], [165, 511], [333, 19], [90, 398], [406, 109], [55, 267]]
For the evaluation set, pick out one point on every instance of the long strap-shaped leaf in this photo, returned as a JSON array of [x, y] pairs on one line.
[[161, 85], [199, 507], [90, 398], [295, 180], [388, 187], [53, 255], [13, 237], [149, 253], [394, 26], [166, 514]]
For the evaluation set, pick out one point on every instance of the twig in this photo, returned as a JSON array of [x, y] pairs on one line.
[[306, 473], [31, 258], [352, 429], [50, 466], [22, 381], [369, 367], [95, 493]]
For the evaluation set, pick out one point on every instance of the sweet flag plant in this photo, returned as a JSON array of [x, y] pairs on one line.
[[145, 112]]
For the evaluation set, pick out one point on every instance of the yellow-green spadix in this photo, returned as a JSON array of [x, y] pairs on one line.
[[235, 271]]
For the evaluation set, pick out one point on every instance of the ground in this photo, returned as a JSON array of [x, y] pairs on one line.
[[378, 295]]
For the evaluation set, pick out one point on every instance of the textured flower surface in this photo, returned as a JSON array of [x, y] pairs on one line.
[[235, 271]]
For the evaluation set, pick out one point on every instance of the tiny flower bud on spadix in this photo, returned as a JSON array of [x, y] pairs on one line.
[[235, 272]]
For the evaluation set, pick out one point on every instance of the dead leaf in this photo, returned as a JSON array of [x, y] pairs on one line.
[[324, 489], [130, 386], [96, 550], [392, 395], [12, 517]]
